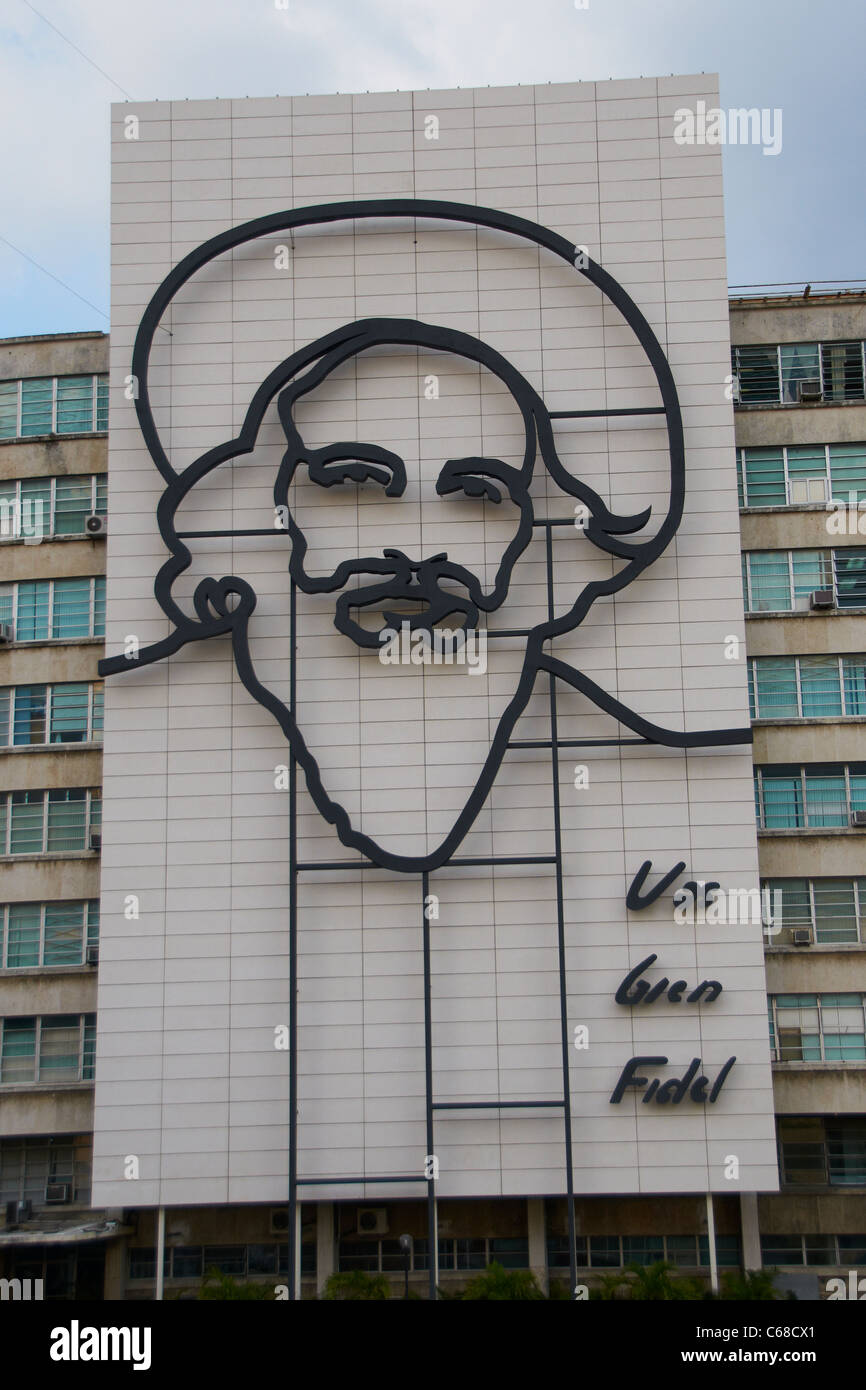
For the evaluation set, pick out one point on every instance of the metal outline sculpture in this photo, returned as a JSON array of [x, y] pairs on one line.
[[224, 606]]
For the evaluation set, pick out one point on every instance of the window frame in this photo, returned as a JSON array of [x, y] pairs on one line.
[[776, 1048], [85, 1055], [89, 932], [779, 398], [92, 801], [96, 599], [755, 661], [93, 735], [95, 379]]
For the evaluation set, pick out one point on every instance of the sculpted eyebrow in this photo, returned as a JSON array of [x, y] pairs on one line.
[[358, 462], [474, 477]]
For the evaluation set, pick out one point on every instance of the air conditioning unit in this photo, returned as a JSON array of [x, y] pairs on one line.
[[801, 936], [279, 1221], [822, 598], [372, 1221], [96, 841], [804, 490], [91, 955], [7, 634], [58, 1192], [96, 525], [858, 819], [810, 389]]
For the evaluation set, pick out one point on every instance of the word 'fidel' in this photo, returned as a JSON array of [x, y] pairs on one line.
[[635, 990], [674, 1090]]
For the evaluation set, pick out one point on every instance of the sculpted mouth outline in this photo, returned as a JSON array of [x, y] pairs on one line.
[[224, 607]]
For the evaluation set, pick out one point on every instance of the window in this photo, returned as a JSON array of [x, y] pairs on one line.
[[41, 714], [27, 1166], [614, 1252], [792, 477], [39, 507], [53, 405], [807, 687], [771, 374], [816, 797], [193, 1261], [45, 610], [53, 1048], [813, 1250], [779, 581], [59, 821], [818, 1027], [817, 1150], [832, 907], [57, 933]]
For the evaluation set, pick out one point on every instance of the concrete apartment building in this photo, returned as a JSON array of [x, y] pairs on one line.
[[191, 1110]]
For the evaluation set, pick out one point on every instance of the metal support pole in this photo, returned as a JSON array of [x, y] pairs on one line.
[[432, 1222], [711, 1241], [160, 1254], [293, 1223], [560, 921]]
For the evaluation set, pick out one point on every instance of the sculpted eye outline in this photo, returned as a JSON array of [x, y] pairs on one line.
[[359, 466], [473, 477]]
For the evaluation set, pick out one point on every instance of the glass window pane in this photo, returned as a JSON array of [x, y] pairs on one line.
[[97, 716], [783, 802], [604, 1252], [71, 608], [835, 914], [848, 472], [67, 820], [850, 565], [799, 362], [854, 680], [757, 370], [843, 371], [73, 503], [59, 1048], [813, 569], [102, 403], [18, 1052], [769, 581], [764, 477], [776, 687], [37, 397], [22, 937], [826, 801], [31, 624], [29, 717], [74, 404], [6, 698], [8, 409], [99, 606], [820, 686], [26, 830], [64, 933], [69, 713], [35, 507], [228, 1259], [186, 1262]]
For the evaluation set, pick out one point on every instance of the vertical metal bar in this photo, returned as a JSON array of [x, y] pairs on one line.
[[294, 1271], [711, 1241], [160, 1254], [560, 915], [432, 1223]]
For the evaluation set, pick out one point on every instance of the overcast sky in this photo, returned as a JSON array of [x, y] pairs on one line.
[[792, 217]]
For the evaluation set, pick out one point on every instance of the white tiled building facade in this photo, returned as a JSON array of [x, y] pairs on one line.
[[191, 1079]]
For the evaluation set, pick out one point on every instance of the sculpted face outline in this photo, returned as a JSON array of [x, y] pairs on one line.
[[442, 588], [225, 606]]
